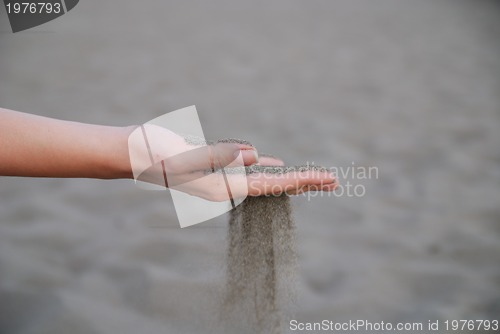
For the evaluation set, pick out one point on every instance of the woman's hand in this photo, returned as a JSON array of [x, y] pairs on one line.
[[162, 157]]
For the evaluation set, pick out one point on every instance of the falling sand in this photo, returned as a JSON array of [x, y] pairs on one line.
[[261, 255], [261, 261]]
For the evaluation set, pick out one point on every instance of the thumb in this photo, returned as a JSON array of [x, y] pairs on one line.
[[211, 157], [232, 155]]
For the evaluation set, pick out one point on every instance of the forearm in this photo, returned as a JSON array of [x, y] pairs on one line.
[[43, 147]]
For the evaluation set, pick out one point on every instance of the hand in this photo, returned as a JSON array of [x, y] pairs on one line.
[[162, 157]]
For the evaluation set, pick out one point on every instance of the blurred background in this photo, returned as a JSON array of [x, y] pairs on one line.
[[411, 87]]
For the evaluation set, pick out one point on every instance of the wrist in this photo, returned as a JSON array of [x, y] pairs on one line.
[[120, 162]]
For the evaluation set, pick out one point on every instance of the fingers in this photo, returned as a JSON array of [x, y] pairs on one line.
[[211, 157], [261, 184], [265, 184], [249, 155], [266, 160], [221, 187]]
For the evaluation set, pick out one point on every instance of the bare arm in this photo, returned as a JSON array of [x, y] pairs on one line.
[[38, 146]]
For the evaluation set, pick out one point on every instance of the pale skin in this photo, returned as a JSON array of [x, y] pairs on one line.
[[36, 146]]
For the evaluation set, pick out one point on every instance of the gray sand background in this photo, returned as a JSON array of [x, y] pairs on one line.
[[412, 87]]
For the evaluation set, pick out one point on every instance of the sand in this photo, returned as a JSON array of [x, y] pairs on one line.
[[261, 256], [260, 262], [261, 252], [408, 86]]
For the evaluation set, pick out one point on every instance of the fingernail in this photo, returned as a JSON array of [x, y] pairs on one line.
[[256, 155]]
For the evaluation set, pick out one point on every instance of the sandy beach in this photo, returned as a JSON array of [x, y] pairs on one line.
[[409, 87]]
